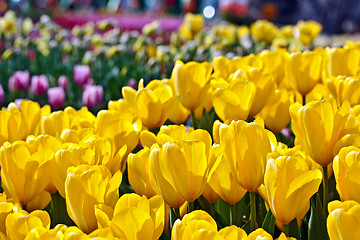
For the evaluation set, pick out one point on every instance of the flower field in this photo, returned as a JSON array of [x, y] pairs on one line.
[[229, 133]]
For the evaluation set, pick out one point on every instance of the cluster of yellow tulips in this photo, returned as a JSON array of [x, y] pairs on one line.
[[133, 172]]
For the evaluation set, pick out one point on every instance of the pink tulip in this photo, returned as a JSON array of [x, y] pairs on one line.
[[19, 81], [56, 97], [39, 85], [82, 74], [92, 95], [63, 82], [2, 96]]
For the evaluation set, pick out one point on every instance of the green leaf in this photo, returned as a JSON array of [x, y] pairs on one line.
[[294, 230], [317, 222], [269, 223]]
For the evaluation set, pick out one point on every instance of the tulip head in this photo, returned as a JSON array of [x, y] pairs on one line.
[[246, 148], [39, 85], [343, 220], [318, 126], [86, 186], [289, 185], [346, 166], [191, 82]]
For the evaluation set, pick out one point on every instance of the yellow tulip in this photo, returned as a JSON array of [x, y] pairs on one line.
[[136, 217], [289, 186], [273, 63], [173, 166], [319, 92], [345, 88], [19, 224], [86, 186], [234, 102], [307, 31], [24, 175], [12, 126], [6, 208], [318, 126], [263, 30], [260, 234], [283, 237], [276, 113], [123, 130], [343, 220], [246, 148], [176, 111], [151, 103], [194, 22], [222, 180], [138, 173], [341, 62], [192, 223], [55, 123], [224, 67], [265, 89], [303, 71], [346, 166], [191, 82], [31, 114], [233, 232]]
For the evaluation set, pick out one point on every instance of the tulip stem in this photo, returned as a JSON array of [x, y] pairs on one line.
[[253, 224], [193, 120], [325, 190], [174, 214], [232, 215], [190, 207], [286, 230]]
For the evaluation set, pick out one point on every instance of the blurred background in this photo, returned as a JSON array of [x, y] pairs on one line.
[[336, 16]]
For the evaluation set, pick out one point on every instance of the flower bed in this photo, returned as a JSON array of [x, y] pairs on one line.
[[260, 146]]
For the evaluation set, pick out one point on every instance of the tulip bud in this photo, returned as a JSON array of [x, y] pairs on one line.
[[82, 74], [39, 85], [19, 81], [92, 96], [56, 97]]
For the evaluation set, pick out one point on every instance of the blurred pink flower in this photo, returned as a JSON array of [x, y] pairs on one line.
[[92, 95], [82, 74], [63, 82], [56, 97], [132, 83], [19, 81], [39, 85], [2, 96]]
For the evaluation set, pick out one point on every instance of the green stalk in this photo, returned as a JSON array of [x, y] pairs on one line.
[[253, 224], [325, 190], [286, 230], [190, 207], [174, 214], [193, 120], [232, 214]]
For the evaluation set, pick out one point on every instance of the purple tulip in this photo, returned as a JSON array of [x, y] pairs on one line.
[[39, 85], [132, 83], [56, 97], [63, 82], [19, 81], [92, 95], [2, 96], [82, 74], [286, 132]]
